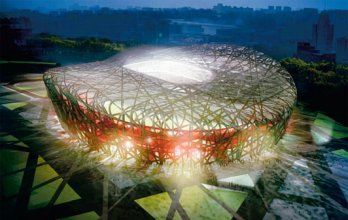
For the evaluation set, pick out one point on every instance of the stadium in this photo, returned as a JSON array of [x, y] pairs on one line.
[[206, 103]]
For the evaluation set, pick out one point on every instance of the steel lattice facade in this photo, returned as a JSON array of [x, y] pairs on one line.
[[231, 103]]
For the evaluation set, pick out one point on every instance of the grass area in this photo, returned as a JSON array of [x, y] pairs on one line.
[[48, 180], [15, 105], [341, 152], [330, 126], [35, 87], [197, 204], [84, 216]]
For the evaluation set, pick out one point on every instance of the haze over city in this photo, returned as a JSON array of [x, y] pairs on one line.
[[68, 4]]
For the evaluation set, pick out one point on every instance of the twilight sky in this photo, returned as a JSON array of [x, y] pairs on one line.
[[57, 4]]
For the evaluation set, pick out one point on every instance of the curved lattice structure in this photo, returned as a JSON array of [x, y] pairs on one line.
[[206, 102]]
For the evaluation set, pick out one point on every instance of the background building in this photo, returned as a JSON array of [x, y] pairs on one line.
[[342, 50], [323, 34]]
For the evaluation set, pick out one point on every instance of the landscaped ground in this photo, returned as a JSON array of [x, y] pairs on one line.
[[46, 174]]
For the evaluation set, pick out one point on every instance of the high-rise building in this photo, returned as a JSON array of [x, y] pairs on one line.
[[270, 8], [287, 8], [323, 34], [342, 50]]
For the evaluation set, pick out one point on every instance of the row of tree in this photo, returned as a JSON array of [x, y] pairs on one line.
[[325, 74], [324, 86], [88, 44]]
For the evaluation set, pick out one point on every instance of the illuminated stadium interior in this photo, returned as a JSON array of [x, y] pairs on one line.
[[207, 103]]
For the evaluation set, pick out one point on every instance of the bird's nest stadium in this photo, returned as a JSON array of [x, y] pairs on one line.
[[208, 103]]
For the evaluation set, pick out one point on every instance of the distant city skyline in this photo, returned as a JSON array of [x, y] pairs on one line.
[[122, 4]]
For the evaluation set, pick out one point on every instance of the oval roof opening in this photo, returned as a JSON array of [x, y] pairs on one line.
[[177, 72]]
